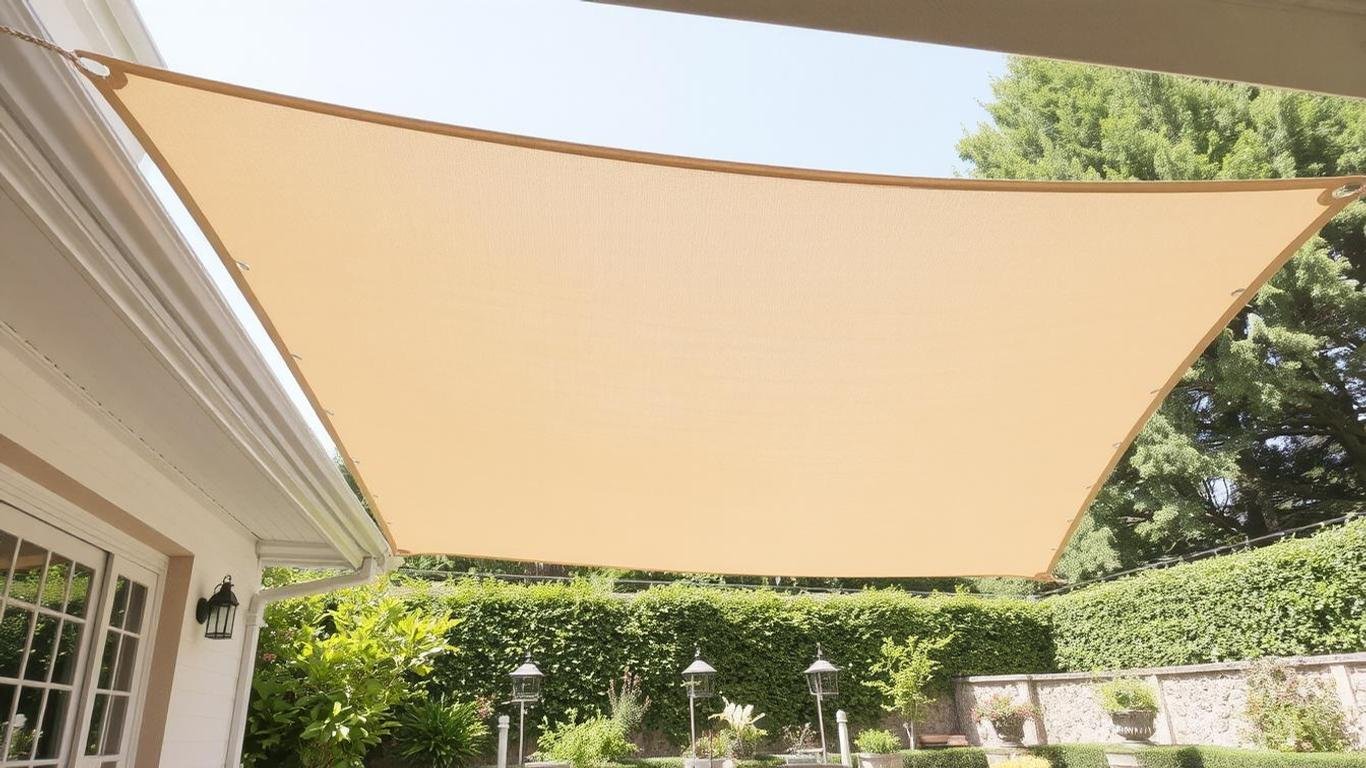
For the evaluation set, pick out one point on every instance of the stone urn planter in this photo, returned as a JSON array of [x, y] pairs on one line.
[[1135, 726], [880, 760], [1009, 731]]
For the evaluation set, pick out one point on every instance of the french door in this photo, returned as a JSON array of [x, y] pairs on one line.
[[73, 620]]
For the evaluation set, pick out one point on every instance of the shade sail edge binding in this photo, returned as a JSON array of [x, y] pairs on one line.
[[533, 318]]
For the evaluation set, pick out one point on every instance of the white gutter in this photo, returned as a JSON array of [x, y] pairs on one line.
[[367, 571]]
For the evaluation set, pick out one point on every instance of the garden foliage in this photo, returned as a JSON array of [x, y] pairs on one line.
[[1126, 694], [1292, 713], [1298, 597], [760, 642], [332, 675]]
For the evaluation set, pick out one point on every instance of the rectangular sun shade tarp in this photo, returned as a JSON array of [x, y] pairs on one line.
[[542, 351]]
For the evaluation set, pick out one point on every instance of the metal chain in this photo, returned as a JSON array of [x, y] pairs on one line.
[[41, 43]]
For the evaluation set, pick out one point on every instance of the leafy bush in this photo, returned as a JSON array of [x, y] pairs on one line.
[[1004, 709], [628, 703], [954, 757], [331, 674], [1291, 713], [911, 678], [1073, 755], [1224, 757], [433, 733], [1297, 597], [759, 641], [592, 743], [1026, 761], [710, 746], [877, 741], [1124, 694], [741, 726]]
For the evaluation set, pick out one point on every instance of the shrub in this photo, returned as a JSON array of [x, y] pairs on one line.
[[877, 741], [1224, 757], [759, 641], [592, 743], [1124, 694], [954, 757], [796, 738], [1026, 761], [1003, 708], [741, 726], [1073, 755], [331, 674], [628, 704], [1297, 597], [433, 733], [710, 745], [1291, 713], [911, 678]]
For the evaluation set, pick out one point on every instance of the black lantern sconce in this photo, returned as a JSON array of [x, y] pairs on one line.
[[218, 611]]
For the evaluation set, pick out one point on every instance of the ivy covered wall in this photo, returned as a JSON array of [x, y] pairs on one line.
[[1295, 598]]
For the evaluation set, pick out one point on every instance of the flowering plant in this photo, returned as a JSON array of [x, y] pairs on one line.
[[742, 725], [1003, 709]]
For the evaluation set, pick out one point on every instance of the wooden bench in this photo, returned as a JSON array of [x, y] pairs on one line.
[[942, 740]]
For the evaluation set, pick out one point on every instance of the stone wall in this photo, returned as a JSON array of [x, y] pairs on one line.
[[1199, 704]]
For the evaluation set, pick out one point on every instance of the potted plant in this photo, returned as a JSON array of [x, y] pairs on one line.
[[878, 749], [1007, 717], [909, 672], [800, 741], [1132, 705], [709, 751]]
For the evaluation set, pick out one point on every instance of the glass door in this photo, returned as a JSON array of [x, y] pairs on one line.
[[116, 682], [51, 581]]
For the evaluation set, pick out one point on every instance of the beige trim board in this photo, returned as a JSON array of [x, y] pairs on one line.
[[39, 471], [174, 617]]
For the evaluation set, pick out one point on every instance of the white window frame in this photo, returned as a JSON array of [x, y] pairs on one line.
[[124, 555]]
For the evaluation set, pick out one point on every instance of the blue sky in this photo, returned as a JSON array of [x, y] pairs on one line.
[[596, 74]]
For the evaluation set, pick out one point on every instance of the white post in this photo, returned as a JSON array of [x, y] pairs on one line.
[[521, 734], [692, 722], [504, 723], [842, 724], [820, 721]]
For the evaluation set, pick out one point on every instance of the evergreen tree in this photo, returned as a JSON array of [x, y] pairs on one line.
[[1266, 431]]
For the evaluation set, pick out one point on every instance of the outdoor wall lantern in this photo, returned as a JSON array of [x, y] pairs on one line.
[[823, 680], [700, 680], [218, 611], [526, 689]]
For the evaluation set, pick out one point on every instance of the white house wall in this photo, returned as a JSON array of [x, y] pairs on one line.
[[39, 416]]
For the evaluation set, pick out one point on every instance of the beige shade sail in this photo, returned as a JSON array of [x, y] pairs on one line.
[[1311, 45], [542, 351]]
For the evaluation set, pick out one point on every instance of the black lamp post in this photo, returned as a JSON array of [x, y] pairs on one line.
[[217, 612], [526, 689], [823, 680], [700, 679]]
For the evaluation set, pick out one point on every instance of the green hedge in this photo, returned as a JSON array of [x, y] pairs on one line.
[[1300, 597], [1222, 757], [953, 757], [759, 641], [1093, 756], [1073, 755]]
